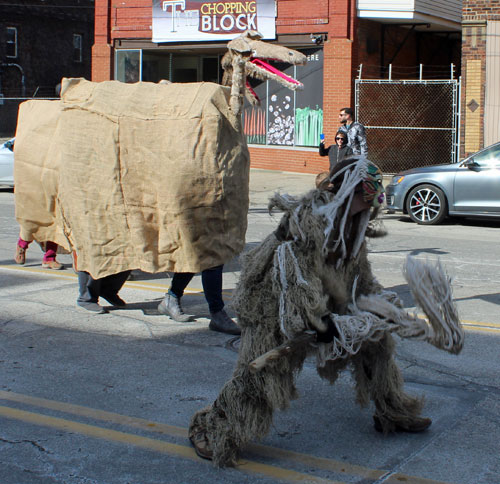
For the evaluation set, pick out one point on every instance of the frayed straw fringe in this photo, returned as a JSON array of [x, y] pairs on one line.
[[288, 285], [299, 289], [432, 292], [369, 317], [352, 176]]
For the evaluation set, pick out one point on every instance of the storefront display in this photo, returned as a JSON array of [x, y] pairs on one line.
[[289, 119]]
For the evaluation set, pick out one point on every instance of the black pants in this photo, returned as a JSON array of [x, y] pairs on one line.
[[211, 280], [91, 289]]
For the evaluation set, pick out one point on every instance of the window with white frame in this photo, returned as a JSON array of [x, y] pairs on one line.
[[11, 42], [77, 47]]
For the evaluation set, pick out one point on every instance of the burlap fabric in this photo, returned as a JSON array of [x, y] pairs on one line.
[[152, 176], [36, 171]]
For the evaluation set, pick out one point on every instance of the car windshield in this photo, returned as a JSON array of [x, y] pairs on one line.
[[489, 157]]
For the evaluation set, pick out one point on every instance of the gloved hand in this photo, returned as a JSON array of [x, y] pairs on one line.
[[330, 332]]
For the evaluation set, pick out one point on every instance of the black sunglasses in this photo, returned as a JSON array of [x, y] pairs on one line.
[[340, 137]]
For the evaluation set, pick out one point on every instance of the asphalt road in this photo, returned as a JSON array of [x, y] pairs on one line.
[[106, 399]]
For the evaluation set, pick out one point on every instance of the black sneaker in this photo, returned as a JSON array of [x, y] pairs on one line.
[[223, 323]]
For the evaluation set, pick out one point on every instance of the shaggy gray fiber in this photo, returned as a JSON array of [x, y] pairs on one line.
[[313, 267]]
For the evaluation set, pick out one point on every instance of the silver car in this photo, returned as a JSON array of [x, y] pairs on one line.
[[468, 188], [7, 164]]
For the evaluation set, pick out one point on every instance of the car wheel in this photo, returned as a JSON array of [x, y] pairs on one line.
[[426, 205]]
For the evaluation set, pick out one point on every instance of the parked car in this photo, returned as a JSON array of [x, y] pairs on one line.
[[7, 163], [468, 188]]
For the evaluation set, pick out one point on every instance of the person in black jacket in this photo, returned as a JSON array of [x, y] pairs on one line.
[[338, 151], [356, 132]]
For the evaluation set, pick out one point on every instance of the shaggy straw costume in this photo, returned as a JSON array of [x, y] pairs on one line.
[[308, 289]]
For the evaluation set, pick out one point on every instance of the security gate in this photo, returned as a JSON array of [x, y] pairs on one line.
[[409, 123]]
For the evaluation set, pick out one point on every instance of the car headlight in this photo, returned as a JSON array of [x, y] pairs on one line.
[[396, 179]]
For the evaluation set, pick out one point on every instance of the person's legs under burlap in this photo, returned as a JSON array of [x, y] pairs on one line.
[[378, 378], [49, 256], [111, 285], [244, 409], [91, 289], [171, 303], [21, 248], [180, 281], [212, 287], [211, 280]]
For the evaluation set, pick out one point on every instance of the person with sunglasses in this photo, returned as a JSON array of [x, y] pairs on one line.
[[356, 132], [336, 152]]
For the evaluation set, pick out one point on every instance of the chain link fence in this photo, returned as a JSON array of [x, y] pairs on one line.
[[409, 123]]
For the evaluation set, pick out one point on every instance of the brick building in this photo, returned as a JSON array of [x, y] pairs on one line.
[[41, 42], [183, 40], [480, 74]]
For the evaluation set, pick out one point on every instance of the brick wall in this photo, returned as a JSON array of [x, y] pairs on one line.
[[131, 19], [337, 94], [336, 19], [476, 13], [480, 10], [45, 51], [299, 161], [44, 33]]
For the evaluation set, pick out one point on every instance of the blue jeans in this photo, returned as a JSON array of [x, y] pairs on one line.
[[211, 280]]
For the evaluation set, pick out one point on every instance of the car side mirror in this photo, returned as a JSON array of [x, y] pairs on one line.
[[9, 145], [472, 165]]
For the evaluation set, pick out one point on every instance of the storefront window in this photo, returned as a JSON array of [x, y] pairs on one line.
[[153, 66], [286, 117], [156, 66], [283, 118], [128, 66]]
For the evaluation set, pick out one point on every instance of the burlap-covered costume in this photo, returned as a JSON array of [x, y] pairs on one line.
[[36, 171], [134, 176], [144, 176], [312, 276]]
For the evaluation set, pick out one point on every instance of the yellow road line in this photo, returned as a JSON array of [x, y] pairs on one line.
[[154, 445], [147, 425], [57, 274], [181, 432], [472, 326], [95, 414], [480, 329], [143, 285], [477, 323]]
